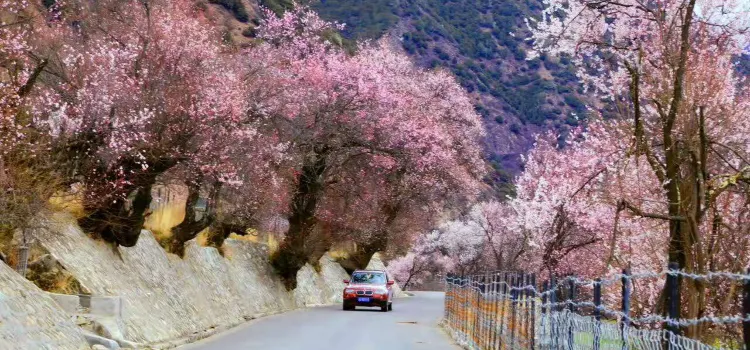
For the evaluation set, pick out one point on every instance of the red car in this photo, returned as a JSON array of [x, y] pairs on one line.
[[369, 288]]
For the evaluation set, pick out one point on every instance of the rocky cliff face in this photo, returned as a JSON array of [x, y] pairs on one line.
[[320, 288], [167, 298], [376, 263], [30, 319]]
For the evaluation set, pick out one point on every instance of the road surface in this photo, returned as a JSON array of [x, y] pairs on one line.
[[413, 324]]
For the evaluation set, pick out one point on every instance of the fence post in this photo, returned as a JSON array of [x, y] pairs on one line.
[[485, 316], [673, 300], [597, 312], [532, 294], [551, 310], [571, 294], [746, 312], [467, 308], [545, 289], [455, 293], [503, 309], [625, 307], [493, 312], [447, 301], [464, 308], [571, 308], [519, 311], [457, 290], [512, 320], [543, 329], [483, 335], [523, 332], [478, 317], [478, 314], [499, 312], [470, 309]]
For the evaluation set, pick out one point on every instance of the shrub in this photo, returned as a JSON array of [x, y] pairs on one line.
[[514, 128], [277, 6], [249, 32], [235, 7]]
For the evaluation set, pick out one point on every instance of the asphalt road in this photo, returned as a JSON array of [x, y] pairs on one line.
[[413, 324]]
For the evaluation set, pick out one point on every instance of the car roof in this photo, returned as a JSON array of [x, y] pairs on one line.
[[381, 271]]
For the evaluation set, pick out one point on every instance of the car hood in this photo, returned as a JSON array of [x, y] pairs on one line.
[[365, 286]]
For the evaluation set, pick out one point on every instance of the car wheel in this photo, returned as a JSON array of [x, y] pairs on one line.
[[390, 306], [384, 308], [348, 307]]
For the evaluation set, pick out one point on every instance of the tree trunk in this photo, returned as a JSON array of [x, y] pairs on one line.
[[121, 220], [406, 284], [377, 243], [118, 224], [677, 253], [361, 257], [293, 253], [189, 228], [220, 231]]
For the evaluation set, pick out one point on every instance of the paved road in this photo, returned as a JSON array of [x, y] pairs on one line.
[[411, 325]]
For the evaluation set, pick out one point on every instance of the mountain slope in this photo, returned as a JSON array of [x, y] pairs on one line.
[[482, 43]]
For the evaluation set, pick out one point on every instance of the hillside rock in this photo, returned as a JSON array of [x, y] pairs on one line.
[[376, 263], [50, 276], [30, 319], [166, 297], [314, 289]]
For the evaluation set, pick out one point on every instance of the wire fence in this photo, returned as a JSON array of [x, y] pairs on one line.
[[509, 310], [492, 311]]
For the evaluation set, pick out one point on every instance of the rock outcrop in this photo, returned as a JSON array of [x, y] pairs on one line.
[[165, 297], [376, 263], [326, 287], [30, 319]]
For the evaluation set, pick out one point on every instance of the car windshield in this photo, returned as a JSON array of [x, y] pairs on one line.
[[368, 278]]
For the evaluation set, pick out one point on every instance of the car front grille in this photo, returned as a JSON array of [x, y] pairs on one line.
[[364, 292]]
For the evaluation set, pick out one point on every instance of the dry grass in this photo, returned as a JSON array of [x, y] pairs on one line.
[[255, 236], [203, 236], [68, 202], [339, 254], [251, 235], [66, 284], [273, 245], [11, 257], [162, 220], [6, 236], [56, 280]]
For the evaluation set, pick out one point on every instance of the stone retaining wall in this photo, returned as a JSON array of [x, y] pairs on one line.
[[165, 297], [30, 319]]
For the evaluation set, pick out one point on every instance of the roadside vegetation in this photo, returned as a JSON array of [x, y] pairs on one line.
[[111, 102], [664, 181]]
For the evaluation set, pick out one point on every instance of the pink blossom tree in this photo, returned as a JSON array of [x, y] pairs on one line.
[[668, 65], [133, 91], [28, 177], [423, 260], [347, 117]]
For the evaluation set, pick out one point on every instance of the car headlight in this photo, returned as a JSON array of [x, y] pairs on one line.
[[349, 291], [382, 291]]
